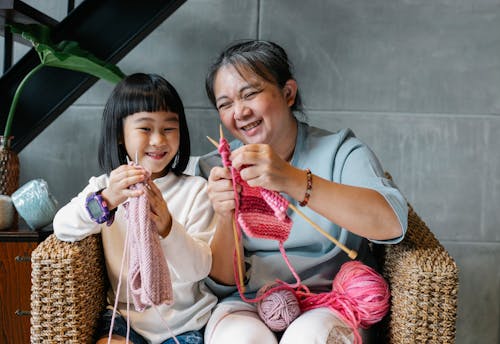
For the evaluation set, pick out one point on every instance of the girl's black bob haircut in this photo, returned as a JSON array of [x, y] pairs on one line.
[[140, 92]]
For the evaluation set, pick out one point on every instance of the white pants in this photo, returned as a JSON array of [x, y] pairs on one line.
[[237, 322]]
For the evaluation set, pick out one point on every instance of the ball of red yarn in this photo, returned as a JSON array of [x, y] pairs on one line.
[[365, 294], [279, 308]]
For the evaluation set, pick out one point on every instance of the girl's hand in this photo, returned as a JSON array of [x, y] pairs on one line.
[[120, 179], [260, 166], [220, 191], [160, 214]]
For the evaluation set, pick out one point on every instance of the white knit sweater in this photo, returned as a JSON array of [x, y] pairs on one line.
[[186, 249]]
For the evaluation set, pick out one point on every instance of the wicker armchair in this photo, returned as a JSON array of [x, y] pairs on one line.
[[68, 289]]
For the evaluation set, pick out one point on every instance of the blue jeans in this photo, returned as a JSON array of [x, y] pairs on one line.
[[120, 329]]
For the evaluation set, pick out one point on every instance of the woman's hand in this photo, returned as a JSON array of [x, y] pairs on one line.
[[120, 179], [260, 166], [221, 195], [220, 191], [160, 214]]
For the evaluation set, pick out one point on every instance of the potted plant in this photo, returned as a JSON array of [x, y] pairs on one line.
[[66, 55]]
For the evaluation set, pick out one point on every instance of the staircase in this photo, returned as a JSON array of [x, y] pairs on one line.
[[107, 28]]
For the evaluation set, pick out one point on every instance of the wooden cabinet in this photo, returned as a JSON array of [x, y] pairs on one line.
[[16, 246]]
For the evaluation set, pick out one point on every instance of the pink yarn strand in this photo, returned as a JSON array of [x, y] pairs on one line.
[[359, 295], [117, 291]]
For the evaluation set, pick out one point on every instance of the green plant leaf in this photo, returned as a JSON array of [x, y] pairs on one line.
[[65, 55], [69, 55], [35, 33]]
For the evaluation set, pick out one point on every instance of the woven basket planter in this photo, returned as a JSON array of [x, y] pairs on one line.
[[9, 169]]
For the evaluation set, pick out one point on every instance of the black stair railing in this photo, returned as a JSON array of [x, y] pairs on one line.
[[107, 28]]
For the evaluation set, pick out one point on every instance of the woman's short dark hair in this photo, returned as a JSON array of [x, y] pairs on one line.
[[137, 93], [266, 59]]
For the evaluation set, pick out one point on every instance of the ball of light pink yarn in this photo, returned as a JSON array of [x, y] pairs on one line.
[[278, 309]]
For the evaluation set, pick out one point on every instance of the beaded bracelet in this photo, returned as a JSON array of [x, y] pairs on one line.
[[307, 195]]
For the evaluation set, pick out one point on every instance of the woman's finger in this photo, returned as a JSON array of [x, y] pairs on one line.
[[218, 173]]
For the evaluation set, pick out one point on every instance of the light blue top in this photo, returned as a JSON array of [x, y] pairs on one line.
[[339, 157]]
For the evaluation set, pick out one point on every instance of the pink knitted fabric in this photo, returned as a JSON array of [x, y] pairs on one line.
[[149, 276], [261, 213]]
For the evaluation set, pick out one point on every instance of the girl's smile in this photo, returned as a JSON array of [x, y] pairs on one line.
[[156, 155], [155, 137]]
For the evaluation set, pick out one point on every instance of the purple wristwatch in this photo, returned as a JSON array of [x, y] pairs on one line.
[[98, 209]]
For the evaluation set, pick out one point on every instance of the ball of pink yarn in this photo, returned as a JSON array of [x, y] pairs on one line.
[[365, 293], [278, 309]]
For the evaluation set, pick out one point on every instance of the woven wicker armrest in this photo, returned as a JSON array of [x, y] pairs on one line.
[[68, 290], [423, 279]]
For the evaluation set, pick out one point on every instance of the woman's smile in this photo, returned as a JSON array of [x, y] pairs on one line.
[[251, 125]]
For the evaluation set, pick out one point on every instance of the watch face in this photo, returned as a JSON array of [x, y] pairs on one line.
[[94, 208]]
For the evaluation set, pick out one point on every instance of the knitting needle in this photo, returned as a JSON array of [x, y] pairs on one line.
[[238, 256], [221, 133], [213, 141], [235, 232], [351, 253]]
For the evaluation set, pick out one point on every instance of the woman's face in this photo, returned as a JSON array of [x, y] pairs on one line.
[[253, 109], [154, 137]]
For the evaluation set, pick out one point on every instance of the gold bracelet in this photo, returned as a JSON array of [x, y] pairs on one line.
[[307, 195]]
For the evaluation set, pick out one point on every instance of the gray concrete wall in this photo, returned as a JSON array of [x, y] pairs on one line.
[[419, 81]]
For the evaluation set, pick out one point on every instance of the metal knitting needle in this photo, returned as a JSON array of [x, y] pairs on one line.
[[235, 232], [351, 253]]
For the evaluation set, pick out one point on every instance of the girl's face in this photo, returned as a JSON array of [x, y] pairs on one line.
[[155, 137], [253, 109]]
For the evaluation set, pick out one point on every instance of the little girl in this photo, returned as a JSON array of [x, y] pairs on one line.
[[144, 121]]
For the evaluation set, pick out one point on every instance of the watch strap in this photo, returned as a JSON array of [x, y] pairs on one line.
[[105, 214]]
